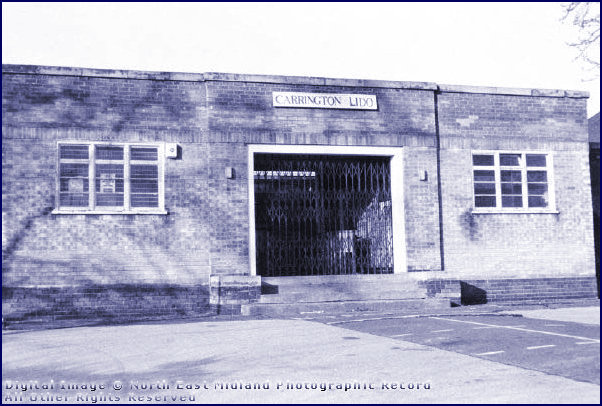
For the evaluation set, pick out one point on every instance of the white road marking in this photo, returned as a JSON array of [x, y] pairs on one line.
[[347, 321], [537, 347], [587, 342], [519, 329], [410, 316], [442, 331], [482, 328], [490, 353], [554, 325], [401, 335]]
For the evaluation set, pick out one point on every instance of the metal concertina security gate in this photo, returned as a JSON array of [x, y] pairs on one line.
[[322, 214]]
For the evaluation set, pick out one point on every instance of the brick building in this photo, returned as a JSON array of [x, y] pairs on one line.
[[594, 166], [132, 194]]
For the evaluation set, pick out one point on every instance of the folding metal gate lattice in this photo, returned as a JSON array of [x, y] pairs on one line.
[[322, 214]]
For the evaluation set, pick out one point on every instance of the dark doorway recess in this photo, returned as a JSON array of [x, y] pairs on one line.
[[322, 215]]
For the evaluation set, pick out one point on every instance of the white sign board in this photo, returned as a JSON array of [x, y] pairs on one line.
[[75, 185], [107, 183], [325, 100]]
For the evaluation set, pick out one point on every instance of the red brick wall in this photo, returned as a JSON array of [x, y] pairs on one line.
[[242, 113], [42, 249], [498, 290], [516, 245], [206, 231], [24, 307], [213, 118]]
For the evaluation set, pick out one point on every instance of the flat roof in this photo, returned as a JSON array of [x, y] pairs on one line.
[[278, 79]]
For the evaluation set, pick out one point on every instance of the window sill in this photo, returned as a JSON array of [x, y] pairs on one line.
[[162, 212], [502, 211]]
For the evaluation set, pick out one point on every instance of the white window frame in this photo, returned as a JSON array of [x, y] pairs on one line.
[[125, 209], [549, 168]]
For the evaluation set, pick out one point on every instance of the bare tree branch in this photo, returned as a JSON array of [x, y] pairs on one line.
[[586, 17]]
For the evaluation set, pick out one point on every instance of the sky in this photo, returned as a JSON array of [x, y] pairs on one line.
[[481, 44]]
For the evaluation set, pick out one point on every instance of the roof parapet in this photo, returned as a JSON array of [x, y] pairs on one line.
[[281, 79], [102, 73], [514, 91], [319, 81]]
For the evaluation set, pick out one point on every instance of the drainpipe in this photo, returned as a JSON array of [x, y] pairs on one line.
[[438, 146]]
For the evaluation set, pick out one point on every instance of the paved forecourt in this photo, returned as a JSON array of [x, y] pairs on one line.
[[284, 360], [561, 348], [585, 314]]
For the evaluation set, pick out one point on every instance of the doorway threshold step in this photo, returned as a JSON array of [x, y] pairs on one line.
[[344, 293], [301, 309], [328, 279]]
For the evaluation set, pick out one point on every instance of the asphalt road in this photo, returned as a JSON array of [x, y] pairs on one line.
[[566, 349], [134, 362]]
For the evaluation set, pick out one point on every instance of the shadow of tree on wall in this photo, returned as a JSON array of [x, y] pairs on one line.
[[19, 235], [97, 305], [471, 295], [96, 285], [469, 225]]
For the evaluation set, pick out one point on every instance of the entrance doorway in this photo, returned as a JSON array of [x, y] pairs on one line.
[[322, 214]]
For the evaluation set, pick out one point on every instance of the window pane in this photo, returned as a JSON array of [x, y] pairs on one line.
[[144, 200], [512, 188], [484, 176], [482, 160], [73, 199], [109, 185], [512, 201], [144, 171], [484, 188], [109, 152], [537, 188], [143, 154], [109, 199], [74, 170], [538, 201], [74, 152], [484, 201], [116, 169], [510, 176], [73, 185], [537, 176], [536, 160], [109, 178], [510, 159], [144, 186]]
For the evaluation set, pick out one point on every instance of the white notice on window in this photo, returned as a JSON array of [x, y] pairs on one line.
[[76, 185], [107, 183]]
